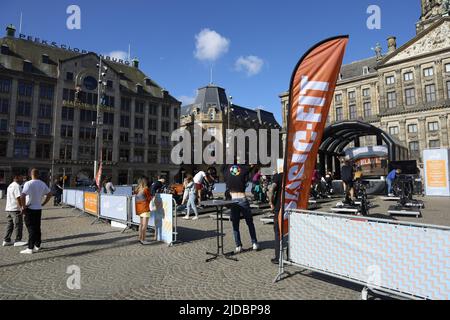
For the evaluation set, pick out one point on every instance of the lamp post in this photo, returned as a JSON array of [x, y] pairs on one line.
[[102, 70], [229, 109]]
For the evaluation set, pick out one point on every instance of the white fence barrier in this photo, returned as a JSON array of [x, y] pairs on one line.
[[405, 259]]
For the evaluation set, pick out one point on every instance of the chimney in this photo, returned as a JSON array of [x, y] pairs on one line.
[[10, 31], [392, 44], [135, 63]]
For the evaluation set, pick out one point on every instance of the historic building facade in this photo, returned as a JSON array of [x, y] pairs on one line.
[[48, 111], [214, 113], [405, 92]]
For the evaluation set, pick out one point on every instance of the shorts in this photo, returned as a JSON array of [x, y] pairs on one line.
[[349, 184], [198, 186], [145, 215]]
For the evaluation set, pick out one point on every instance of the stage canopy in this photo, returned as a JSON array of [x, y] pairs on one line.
[[338, 136]]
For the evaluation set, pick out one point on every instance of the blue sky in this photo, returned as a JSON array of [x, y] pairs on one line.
[[266, 37]]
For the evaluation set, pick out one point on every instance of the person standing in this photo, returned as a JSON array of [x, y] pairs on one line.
[[31, 200], [143, 198], [236, 178], [109, 186], [57, 191], [191, 197], [198, 181], [13, 215], [275, 191], [347, 175]]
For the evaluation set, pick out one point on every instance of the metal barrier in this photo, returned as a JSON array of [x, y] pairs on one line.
[[403, 259], [122, 209]]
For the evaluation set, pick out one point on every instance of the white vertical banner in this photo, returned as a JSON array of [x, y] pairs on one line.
[[436, 172]]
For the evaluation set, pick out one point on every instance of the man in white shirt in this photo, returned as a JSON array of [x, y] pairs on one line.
[[13, 215], [198, 181], [34, 190]]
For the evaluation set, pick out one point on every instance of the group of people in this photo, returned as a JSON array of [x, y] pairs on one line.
[[24, 202]]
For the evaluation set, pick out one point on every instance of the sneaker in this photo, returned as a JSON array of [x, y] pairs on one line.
[[238, 249], [255, 246], [195, 218], [36, 249], [186, 217], [7, 243], [27, 251], [145, 243], [20, 243], [275, 261]]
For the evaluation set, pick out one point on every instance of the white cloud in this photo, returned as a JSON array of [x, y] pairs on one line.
[[119, 55], [210, 45], [252, 65], [186, 100]]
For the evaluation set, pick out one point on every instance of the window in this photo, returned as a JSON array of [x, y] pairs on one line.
[[175, 125], [433, 126], [152, 156], [87, 133], [109, 84], [152, 125], [108, 118], [414, 146], [390, 80], [5, 85], [46, 91], [352, 95], [447, 67], [412, 128], [165, 141], [428, 72], [153, 110], [3, 125], [42, 151], [367, 109], [3, 148], [339, 114], [4, 106], [175, 113], [124, 121], [65, 152], [124, 155], [139, 138], [366, 92], [435, 143], [392, 99], [138, 155], [23, 127], [352, 112], [88, 116], [25, 89], [66, 131], [338, 98], [410, 96], [394, 131], [69, 95], [408, 76], [21, 149], [448, 89], [67, 113], [107, 101], [139, 123], [124, 137], [107, 135], [165, 126], [125, 104], [152, 139], [165, 158], [107, 154], [86, 152], [24, 109], [430, 93], [45, 111], [44, 129], [69, 76], [365, 70], [139, 108], [166, 112]]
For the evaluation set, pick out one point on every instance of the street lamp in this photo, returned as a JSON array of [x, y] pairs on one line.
[[102, 71]]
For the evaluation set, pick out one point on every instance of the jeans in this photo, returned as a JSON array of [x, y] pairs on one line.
[[191, 204], [33, 223], [14, 223], [389, 185], [242, 206]]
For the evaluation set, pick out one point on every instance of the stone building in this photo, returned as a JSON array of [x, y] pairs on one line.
[[406, 91], [210, 112], [48, 104]]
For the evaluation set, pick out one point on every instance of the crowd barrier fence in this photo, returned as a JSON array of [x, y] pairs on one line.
[[122, 209], [403, 259]]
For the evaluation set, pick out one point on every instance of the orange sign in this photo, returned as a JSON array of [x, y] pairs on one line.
[[436, 174], [91, 202], [311, 93]]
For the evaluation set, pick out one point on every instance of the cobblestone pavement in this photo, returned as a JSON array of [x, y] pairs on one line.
[[114, 266]]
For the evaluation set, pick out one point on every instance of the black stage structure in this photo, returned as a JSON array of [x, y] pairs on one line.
[[339, 135]]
